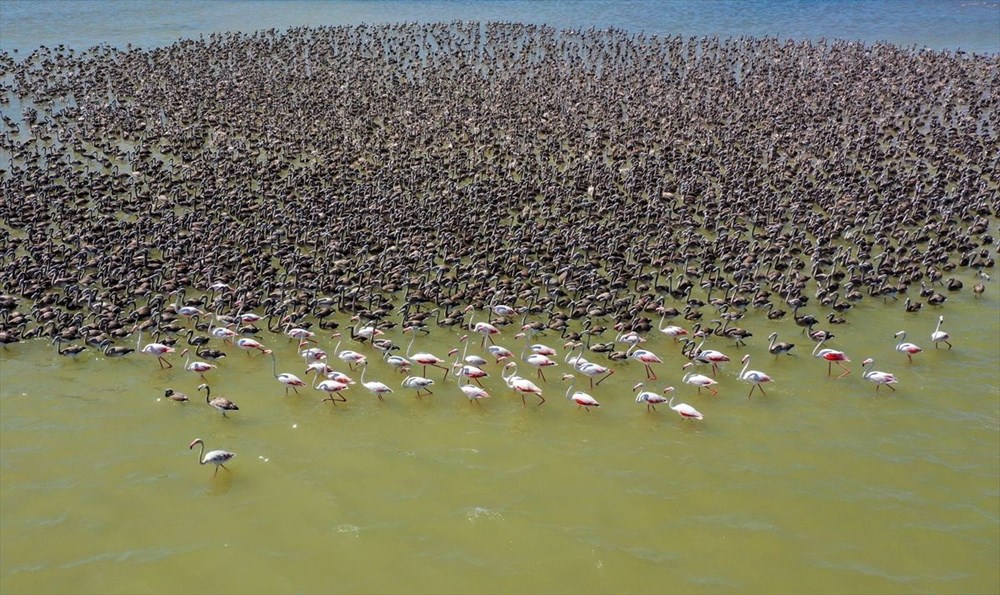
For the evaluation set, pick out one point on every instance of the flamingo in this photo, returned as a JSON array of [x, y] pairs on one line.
[[195, 366], [536, 360], [472, 360], [175, 396], [778, 348], [683, 409], [699, 380], [467, 370], [709, 356], [908, 348], [592, 370], [347, 355], [483, 328], [289, 380], [939, 336], [630, 338], [578, 361], [216, 457], [424, 359], [418, 383], [398, 362], [503, 310], [299, 334], [367, 333], [374, 387], [247, 344], [754, 377], [646, 357], [670, 330], [156, 349], [221, 404], [72, 350], [312, 354], [331, 387], [579, 397], [185, 311], [650, 398], [499, 352], [879, 378], [538, 348], [522, 385], [221, 332], [473, 393], [832, 357]]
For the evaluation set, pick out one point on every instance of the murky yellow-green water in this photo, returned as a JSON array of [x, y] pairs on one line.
[[819, 486]]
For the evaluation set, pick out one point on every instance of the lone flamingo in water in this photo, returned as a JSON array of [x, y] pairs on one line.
[[216, 457], [832, 356], [908, 348]]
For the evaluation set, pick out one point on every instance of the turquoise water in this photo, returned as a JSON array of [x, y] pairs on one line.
[[972, 25]]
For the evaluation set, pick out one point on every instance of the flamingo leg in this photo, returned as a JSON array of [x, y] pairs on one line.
[[714, 392], [479, 383], [541, 400], [216, 471], [751, 390], [442, 368], [829, 368], [523, 404], [541, 375], [610, 372], [761, 388], [846, 370], [890, 387]]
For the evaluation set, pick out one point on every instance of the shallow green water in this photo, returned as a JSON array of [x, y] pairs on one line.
[[819, 486]]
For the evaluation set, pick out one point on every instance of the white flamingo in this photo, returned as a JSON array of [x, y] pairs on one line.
[[670, 330], [684, 410], [473, 393], [331, 387], [939, 336], [418, 383], [754, 377], [485, 329], [216, 457]]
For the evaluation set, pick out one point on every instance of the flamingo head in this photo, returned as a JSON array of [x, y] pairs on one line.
[[745, 358], [637, 386], [268, 352], [464, 337], [686, 366], [183, 353], [519, 335], [669, 389], [193, 442], [201, 386], [452, 352], [567, 376], [336, 335], [868, 362]]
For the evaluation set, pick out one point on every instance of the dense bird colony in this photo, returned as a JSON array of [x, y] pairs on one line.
[[424, 175]]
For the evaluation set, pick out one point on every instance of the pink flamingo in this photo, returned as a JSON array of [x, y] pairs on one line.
[[195, 366], [908, 348], [522, 385], [579, 397], [247, 344], [650, 398], [289, 380], [879, 378], [536, 360], [832, 357], [347, 355], [424, 359], [331, 387], [670, 330], [483, 328], [646, 357], [155, 349], [473, 393], [699, 380]]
